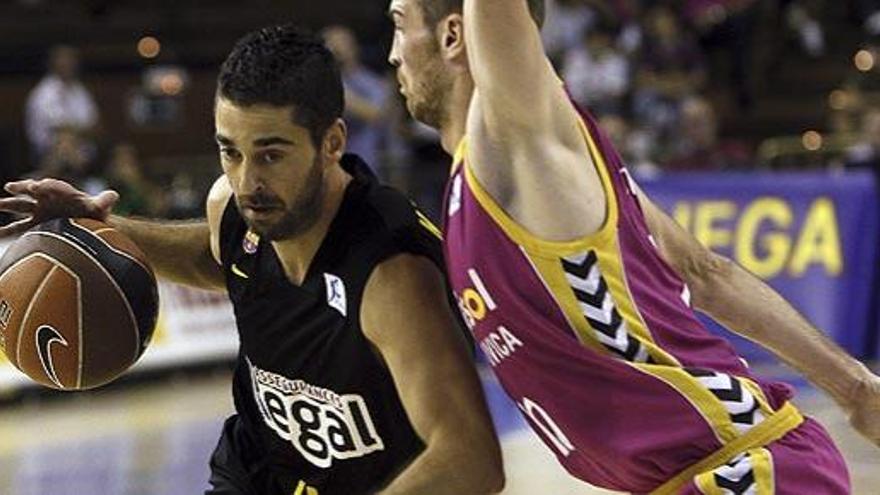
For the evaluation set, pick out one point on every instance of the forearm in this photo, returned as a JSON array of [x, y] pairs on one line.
[[445, 469], [749, 307], [177, 251]]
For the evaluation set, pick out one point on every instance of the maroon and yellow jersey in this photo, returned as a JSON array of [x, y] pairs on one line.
[[596, 341]]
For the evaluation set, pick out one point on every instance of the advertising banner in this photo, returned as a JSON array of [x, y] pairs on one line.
[[812, 237]]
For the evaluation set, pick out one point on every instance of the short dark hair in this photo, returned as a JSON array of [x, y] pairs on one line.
[[285, 66], [435, 10]]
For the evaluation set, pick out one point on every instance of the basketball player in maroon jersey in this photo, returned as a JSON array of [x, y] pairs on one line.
[[582, 292]]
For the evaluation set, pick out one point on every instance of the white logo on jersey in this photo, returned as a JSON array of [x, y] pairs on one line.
[[336, 293], [455, 196], [321, 424]]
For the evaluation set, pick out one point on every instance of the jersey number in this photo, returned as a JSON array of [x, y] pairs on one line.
[[546, 426]]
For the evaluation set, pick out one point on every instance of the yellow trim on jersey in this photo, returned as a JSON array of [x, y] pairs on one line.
[[762, 468], [523, 237], [613, 270], [458, 157], [705, 483], [429, 225], [303, 489], [704, 401], [550, 271], [762, 464], [771, 429], [236, 270], [759, 395]]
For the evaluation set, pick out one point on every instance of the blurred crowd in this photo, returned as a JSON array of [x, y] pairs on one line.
[[641, 67], [63, 127]]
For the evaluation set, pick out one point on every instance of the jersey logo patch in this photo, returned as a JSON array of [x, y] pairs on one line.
[[251, 242], [336, 294]]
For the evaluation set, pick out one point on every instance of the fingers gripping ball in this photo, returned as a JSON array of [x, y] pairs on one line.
[[78, 303]]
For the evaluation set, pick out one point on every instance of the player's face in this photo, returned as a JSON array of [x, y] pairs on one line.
[[276, 174], [415, 51]]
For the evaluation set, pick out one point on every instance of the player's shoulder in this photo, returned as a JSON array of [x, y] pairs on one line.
[[390, 208], [378, 206], [383, 213], [216, 207]]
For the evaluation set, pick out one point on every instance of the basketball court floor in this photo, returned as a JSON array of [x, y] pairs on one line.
[[154, 438]]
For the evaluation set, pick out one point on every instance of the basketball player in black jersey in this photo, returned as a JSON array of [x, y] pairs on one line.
[[352, 375]]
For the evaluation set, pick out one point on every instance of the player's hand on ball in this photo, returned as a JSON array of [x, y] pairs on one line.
[[41, 200], [865, 411]]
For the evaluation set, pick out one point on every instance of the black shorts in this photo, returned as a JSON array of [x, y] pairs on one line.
[[237, 468]]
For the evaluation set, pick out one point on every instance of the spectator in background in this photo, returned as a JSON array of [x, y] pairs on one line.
[[633, 144], [807, 28], [182, 200], [671, 69], [866, 153], [596, 73], [68, 160], [868, 13], [366, 96], [60, 101], [565, 23], [125, 175], [700, 147], [727, 25]]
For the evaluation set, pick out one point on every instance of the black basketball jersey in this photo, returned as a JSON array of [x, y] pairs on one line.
[[315, 399]]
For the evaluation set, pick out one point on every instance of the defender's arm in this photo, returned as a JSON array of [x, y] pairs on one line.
[[746, 305], [405, 314], [526, 144]]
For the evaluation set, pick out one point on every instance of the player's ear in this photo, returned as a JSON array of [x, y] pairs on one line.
[[451, 33], [335, 140]]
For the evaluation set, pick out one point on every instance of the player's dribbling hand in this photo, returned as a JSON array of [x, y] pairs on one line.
[[865, 411], [41, 200]]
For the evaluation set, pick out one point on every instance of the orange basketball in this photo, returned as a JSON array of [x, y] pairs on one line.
[[78, 303]]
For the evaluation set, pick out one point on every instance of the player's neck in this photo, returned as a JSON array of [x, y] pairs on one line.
[[296, 254], [453, 129]]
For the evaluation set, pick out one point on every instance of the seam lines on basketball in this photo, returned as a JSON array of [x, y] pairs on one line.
[[110, 246], [10, 270], [30, 307], [79, 315], [134, 322], [79, 318]]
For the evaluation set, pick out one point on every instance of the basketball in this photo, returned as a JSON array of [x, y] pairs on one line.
[[78, 303]]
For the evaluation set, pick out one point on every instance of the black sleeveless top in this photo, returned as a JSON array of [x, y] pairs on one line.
[[316, 401]]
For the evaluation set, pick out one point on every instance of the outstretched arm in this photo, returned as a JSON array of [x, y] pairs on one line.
[[746, 305], [525, 141], [178, 251], [406, 315]]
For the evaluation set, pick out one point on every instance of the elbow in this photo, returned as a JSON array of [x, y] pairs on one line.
[[491, 478], [498, 482]]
